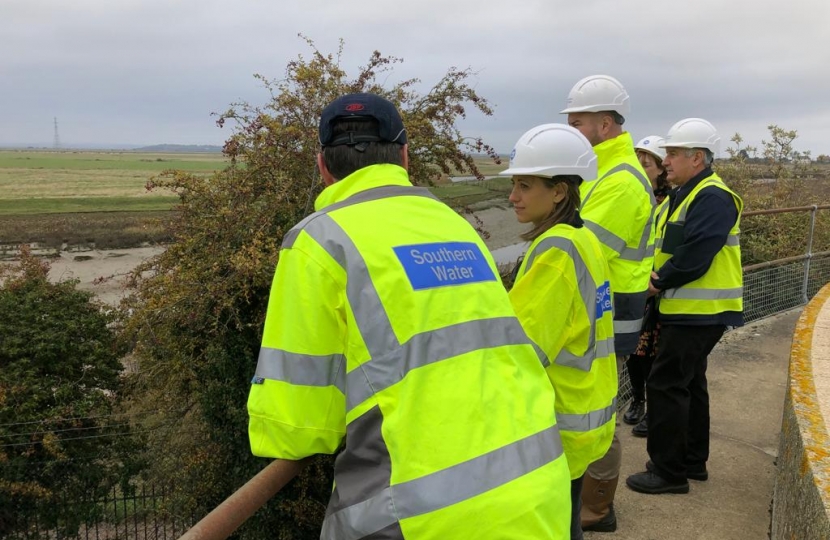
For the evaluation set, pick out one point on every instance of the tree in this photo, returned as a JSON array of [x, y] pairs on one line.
[[778, 182], [196, 317], [59, 378]]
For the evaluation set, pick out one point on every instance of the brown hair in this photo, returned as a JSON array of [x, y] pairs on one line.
[[563, 212], [661, 181]]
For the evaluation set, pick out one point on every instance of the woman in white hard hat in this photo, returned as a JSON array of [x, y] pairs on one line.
[[651, 157], [562, 294]]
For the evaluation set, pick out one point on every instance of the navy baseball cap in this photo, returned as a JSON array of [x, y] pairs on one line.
[[356, 106]]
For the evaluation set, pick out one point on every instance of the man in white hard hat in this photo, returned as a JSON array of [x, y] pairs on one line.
[[699, 285], [617, 207]]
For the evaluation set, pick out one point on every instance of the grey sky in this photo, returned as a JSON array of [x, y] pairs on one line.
[[151, 71]]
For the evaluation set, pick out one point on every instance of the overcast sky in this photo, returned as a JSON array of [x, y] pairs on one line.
[[152, 71]]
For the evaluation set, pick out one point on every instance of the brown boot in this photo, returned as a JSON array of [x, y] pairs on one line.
[[598, 504]]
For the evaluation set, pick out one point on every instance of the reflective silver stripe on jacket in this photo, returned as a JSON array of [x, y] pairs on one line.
[[627, 327], [444, 488], [588, 421], [618, 245], [733, 240], [588, 293], [614, 242], [663, 210], [685, 293], [374, 194], [619, 168], [628, 320], [302, 369], [427, 348]]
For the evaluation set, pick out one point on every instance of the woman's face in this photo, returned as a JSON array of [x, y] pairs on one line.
[[533, 200], [650, 165]]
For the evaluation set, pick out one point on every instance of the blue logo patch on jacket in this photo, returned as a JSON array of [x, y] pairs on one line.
[[443, 264], [603, 299]]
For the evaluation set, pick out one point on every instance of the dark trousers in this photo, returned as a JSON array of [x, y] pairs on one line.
[[638, 368], [576, 506], [678, 400]]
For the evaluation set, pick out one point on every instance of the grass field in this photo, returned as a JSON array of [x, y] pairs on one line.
[[132, 161], [40, 182], [58, 198]]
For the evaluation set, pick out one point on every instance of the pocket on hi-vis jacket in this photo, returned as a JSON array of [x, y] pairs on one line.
[[674, 237]]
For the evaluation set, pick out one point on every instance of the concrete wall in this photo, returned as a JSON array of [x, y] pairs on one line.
[[801, 500]]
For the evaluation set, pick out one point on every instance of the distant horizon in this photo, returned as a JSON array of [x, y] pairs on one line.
[[122, 147], [98, 146]]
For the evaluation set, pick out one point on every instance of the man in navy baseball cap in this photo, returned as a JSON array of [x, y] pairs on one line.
[[386, 336], [357, 131], [362, 107]]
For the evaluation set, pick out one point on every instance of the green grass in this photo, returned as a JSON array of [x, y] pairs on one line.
[[122, 161], [65, 205], [42, 182]]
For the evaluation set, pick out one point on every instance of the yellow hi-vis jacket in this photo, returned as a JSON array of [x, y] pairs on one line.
[[563, 300], [387, 325], [720, 289], [618, 208]]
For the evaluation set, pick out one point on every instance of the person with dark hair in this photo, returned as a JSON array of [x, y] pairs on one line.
[[390, 339], [562, 293], [617, 207], [651, 158]]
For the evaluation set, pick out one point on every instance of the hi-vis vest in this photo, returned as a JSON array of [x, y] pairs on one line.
[[618, 208], [720, 289], [562, 297], [387, 324]]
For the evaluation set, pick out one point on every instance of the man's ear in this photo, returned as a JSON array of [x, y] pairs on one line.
[[607, 123], [328, 179], [405, 156]]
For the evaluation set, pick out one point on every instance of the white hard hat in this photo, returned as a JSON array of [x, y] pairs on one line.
[[598, 93], [551, 150], [652, 145], [693, 133]]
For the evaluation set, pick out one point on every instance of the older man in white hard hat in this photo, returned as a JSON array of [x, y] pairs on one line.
[[699, 284], [618, 208]]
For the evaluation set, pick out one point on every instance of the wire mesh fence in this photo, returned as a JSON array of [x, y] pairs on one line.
[[142, 513], [772, 290], [818, 275]]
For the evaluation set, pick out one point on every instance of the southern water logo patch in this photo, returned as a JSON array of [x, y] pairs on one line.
[[444, 263], [603, 299]]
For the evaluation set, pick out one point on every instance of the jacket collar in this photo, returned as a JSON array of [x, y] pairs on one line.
[[610, 152], [361, 180], [687, 188]]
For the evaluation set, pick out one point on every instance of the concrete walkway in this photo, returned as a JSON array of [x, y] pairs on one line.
[[747, 382]]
